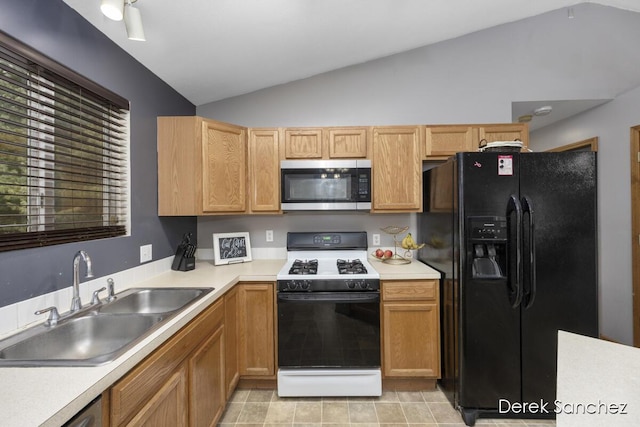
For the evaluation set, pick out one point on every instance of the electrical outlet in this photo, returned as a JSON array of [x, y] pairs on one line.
[[376, 240], [269, 235], [146, 253]]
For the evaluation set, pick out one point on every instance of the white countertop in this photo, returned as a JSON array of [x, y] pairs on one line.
[[49, 396]]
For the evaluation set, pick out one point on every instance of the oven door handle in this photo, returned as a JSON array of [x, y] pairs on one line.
[[339, 297]]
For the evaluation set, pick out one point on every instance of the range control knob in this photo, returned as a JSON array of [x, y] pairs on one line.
[[292, 285], [305, 284], [350, 284]]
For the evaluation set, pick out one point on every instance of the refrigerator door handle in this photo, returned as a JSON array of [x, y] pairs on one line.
[[530, 256], [514, 276]]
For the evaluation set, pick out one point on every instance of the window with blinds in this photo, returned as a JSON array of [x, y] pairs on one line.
[[64, 150]]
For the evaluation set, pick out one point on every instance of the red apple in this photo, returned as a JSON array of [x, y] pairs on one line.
[[388, 254], [379, 253]]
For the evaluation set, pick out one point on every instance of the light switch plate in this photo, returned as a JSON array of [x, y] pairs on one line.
[[146, 253]]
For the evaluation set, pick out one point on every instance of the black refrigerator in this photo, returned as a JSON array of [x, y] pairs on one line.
[[515, 236]]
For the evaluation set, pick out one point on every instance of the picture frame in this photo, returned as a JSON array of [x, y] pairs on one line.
[[231, 248]]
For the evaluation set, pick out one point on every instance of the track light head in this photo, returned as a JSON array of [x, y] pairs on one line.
[[133, 23], [112, 9]]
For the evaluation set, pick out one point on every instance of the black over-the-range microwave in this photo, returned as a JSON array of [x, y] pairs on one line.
[[314, 185]]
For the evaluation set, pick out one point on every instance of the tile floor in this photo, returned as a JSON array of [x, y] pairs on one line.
[[255, 407]]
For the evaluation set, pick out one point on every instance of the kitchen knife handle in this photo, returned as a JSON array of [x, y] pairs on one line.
[[530, 278], [514, 278]]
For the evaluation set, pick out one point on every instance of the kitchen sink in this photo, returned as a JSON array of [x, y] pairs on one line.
[[98, 333], [153, 300], [87, 340]]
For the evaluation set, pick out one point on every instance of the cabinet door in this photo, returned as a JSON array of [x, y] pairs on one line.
[[444, 141], [303, 143], [410, 331], [397, 169], [224, 173], [504, 132], [231, 332], [347, 142], [257, 336], [130, 395], [179, 166], [207, 388], [166, 408], [264, 170]]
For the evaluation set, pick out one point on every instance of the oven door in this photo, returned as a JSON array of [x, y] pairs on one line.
[[325, 185], [329, 330]]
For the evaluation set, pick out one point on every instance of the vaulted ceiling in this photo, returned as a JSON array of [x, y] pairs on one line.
[[209, 50]]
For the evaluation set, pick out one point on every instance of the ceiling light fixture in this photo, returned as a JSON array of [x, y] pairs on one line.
[[112, 9], [133, 22], [542, 111]]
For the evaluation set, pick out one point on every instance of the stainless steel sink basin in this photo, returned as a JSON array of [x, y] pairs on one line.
[[153, 300], [86, 340], [100, 333]]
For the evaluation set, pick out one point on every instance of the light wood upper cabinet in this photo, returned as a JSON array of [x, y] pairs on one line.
[[347, 143], [504, 132], [410, 329], [303, 143], [445, 141], [202, 167], [397, 169], [325, 143], [224, 167], [264, 170]]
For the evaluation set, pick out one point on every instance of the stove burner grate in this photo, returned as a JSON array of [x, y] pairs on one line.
[[304, 267], [354, 266]]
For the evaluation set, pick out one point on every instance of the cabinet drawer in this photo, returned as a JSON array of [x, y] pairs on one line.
[[413, 290]]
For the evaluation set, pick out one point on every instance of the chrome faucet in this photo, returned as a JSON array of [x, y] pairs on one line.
[[76, 304]]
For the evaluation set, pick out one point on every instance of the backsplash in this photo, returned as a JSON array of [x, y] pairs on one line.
[[257, 225]]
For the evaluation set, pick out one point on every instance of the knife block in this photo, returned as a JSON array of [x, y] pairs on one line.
[[182, 262], [187, 264]]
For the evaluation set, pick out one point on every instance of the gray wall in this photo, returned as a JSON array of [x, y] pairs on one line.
[[610, 123], [474, 79], [59, 32]]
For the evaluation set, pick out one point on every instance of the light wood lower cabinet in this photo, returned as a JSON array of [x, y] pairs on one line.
[[410, 329], [232, 366], [207, 386], [166, 407], [256, 329], [180, 383]]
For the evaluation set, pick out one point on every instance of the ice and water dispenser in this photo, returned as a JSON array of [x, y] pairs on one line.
[[487, 244]]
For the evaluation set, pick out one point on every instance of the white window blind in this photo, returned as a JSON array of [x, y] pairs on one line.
[[64, 145]]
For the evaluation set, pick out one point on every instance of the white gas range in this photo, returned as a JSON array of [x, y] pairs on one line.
[[328, 317]]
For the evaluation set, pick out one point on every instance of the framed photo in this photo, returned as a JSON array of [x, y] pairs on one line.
[[231, 248]]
